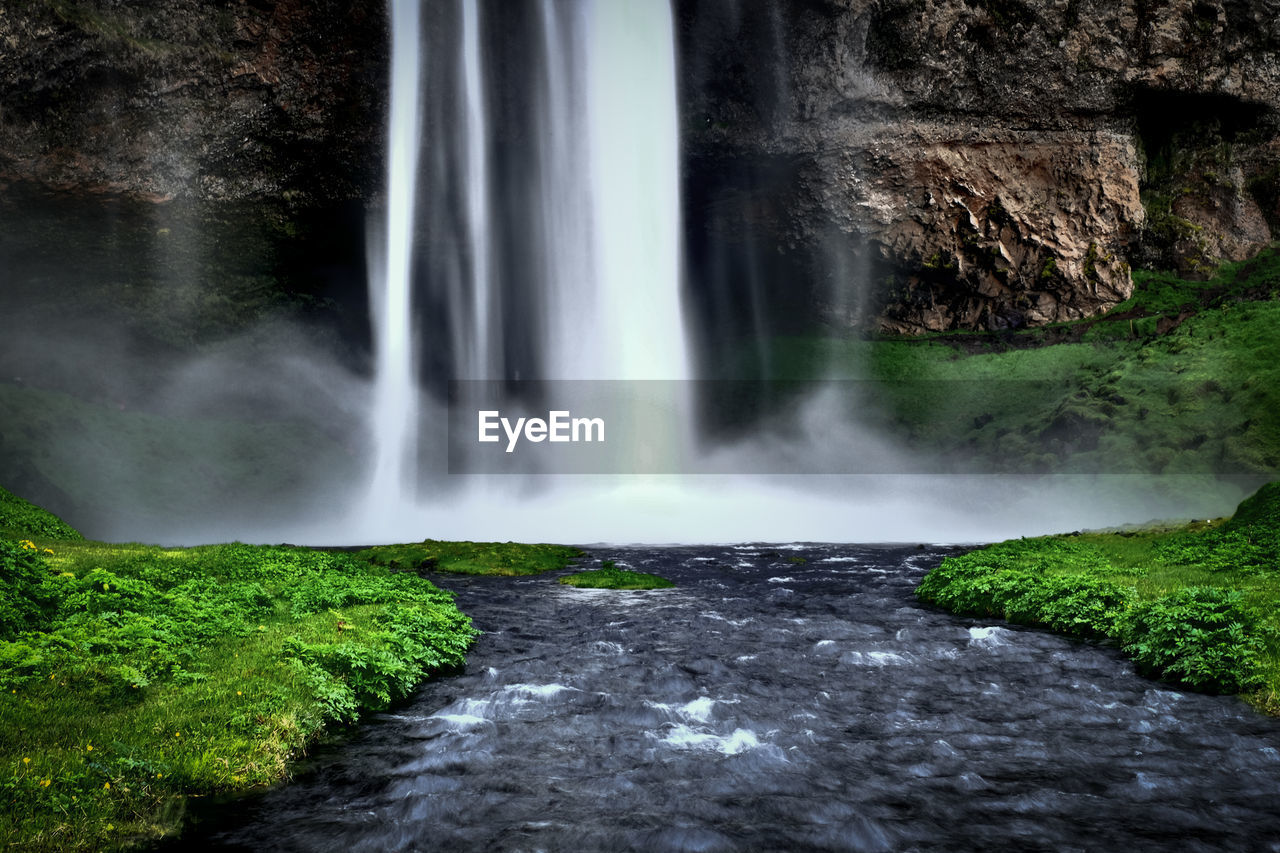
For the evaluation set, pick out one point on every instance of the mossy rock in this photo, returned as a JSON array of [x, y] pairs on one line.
[[611, 577], [21, 519]]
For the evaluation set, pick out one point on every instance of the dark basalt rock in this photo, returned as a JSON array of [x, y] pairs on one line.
[[907, 165], [213, 100], [989, 164]]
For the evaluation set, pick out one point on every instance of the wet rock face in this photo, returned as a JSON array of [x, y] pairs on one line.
[[990, 229], [998, 163], [231, 99], [911, 165]]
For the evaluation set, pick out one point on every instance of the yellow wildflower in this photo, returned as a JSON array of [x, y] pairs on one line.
[[26, 761], [106, 786], [28, 544], [49, 551], [44, 783], [89, 748]]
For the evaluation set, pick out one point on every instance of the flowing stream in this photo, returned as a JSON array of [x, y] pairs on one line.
[[793, 698]]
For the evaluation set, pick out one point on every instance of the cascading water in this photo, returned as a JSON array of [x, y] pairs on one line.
[[394, 397], [591, 288], [483, 354], [533, 232], [636, 331]]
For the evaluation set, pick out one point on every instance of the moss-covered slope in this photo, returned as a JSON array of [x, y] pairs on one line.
[[21, 519], [1184, 378]]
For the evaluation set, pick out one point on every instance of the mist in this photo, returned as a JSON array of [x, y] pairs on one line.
[[184, 373]]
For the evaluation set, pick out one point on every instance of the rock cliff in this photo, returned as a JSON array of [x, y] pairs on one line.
[[215, 99], [996, 163], [913, 165]]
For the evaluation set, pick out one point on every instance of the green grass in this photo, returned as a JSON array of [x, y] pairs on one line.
[[133, 677], [609, 576], [1197, 604], [471, 558]]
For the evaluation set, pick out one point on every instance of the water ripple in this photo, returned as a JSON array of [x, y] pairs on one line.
[[732, 713]]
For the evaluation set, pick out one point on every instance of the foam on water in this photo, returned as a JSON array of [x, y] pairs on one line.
[[681, 736], [989, 636], [873, 659], [461, 722], [699, 709]]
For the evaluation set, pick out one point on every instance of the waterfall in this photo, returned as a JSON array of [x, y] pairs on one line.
[[611, 158], [636, 191], [481, 349], [546, 243], [394, 407], [532, 231]]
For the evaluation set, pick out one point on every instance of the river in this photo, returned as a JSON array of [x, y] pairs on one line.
[[779, 698]]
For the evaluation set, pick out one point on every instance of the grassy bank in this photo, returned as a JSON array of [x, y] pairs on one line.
[[1197, 605], [133, 677]]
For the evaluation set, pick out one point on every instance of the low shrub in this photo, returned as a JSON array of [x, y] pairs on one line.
[[1199, 636], [25, 602]]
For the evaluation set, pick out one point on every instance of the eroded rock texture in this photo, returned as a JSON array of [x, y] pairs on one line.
[[987, 163], [911, 165], [212, 99]]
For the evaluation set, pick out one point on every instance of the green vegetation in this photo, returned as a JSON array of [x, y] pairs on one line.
[[133, 677], [1198, 605], [609, 576], [1183, 378], [20, 519], [471, 558]]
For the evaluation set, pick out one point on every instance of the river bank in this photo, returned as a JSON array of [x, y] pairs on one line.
[[1196, 604], [134, 678]]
